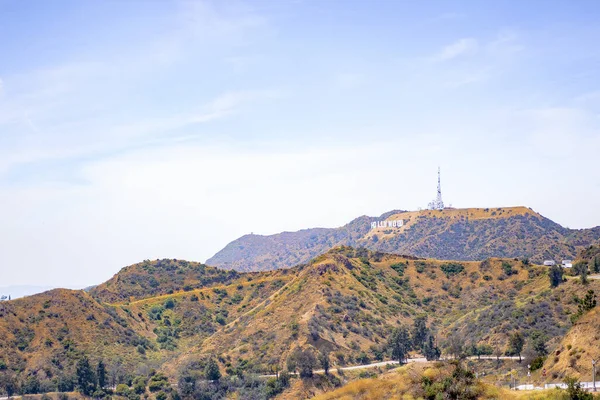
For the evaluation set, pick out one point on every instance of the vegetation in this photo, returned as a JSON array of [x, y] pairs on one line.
[[456, 234], [555, 273], [349, 306]]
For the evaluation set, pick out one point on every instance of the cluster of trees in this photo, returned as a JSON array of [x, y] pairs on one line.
[[402, 340], [202, 379], [304, 361]]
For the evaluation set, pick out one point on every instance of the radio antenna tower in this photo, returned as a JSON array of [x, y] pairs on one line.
[[438, 204]]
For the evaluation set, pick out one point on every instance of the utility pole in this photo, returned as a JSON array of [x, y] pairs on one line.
[[594, 374]]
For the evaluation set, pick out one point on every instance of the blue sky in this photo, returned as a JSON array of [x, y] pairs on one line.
[[146, 129]]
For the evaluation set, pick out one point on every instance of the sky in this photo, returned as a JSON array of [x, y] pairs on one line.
[[134, 130]]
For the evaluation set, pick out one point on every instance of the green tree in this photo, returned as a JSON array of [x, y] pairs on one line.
[[8, 383], [86, 380], [596, 264], [516, 343], [430, 350], [575, 391], [101, 374], [455, 345], [538, 343], [419, 331], [555, 273], [306, 361], [212, 371], [187, 385], [581, 269], [399, 343], [324, 361], [588, 302]]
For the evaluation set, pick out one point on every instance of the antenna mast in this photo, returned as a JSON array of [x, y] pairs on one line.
[[438, 203]]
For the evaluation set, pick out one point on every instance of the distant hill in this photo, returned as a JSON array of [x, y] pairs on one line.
[[456, 234], [18, 291]]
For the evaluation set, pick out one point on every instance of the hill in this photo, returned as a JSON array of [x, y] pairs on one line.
[[451, 234], [48, 332], [344, 302]]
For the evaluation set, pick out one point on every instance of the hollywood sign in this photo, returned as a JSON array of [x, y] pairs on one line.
[[387, 224]]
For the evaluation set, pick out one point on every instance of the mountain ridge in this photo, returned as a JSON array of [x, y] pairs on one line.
[[468, 234]]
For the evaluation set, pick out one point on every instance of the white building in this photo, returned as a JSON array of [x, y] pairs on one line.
[[549, 263], [567, 264]]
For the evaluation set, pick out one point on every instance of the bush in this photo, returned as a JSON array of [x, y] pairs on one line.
[[452, 269], [170, 304], [161, 396], [399, 268], [122, 389]]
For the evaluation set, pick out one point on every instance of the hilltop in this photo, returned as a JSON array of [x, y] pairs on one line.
[[452, 234]]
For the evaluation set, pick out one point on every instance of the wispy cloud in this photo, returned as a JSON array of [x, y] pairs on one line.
[[460, 47]]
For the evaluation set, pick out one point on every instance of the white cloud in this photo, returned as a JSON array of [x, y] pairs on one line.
[[459, 48]]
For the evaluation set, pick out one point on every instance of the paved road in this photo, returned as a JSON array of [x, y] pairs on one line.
[[384, 363]]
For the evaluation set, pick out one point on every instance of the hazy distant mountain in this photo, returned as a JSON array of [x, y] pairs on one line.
[[18, 291], [456, 234]]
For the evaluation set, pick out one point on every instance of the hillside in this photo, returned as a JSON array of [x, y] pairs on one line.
[[450, 234], [47, 333], [344, 302], [152, 278]]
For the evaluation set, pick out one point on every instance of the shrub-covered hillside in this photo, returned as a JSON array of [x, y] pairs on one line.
[[451, 234]]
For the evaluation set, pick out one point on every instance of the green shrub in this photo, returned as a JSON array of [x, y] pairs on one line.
[[452, 268], [399, 268]]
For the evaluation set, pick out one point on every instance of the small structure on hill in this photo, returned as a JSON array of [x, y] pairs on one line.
[[567, 263], [549, 263]]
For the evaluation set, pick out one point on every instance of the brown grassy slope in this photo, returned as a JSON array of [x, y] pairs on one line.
[[575, 352], [345, 301], [348, 300], [574, 355], [449, 234], [407, 383], [60, 325], [152, 278]]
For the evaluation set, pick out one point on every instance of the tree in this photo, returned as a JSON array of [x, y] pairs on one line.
[[306, 362], [430, 350], [101, 373], [538, 343], [515, 344], [399, 343], [556, 275], [581, 269], [596, 264], [86, 380], [187, 384], [575, 391], [420, 331], [587, 303], [324, 361], [212, 371], [8, 383], [456, 345]]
